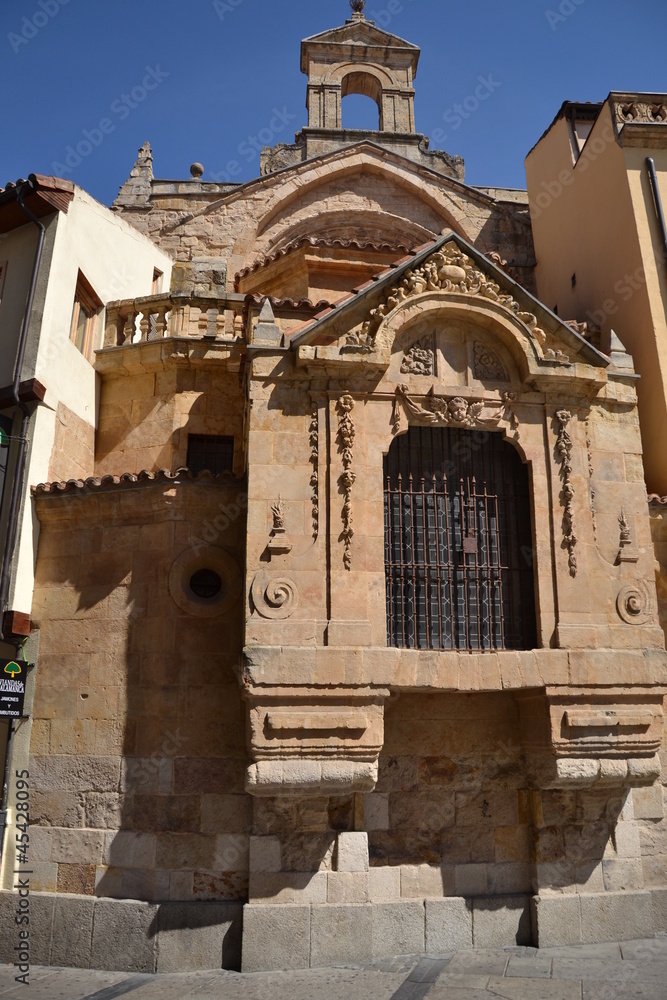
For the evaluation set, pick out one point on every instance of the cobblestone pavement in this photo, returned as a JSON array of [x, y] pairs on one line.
[[635, 970]]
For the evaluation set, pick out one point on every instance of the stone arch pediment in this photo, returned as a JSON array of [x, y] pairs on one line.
[[434, 195]]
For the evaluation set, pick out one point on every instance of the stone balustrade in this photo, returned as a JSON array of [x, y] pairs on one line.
[[154, 317]]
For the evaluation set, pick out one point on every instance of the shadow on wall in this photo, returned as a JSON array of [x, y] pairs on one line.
[[179, 829]]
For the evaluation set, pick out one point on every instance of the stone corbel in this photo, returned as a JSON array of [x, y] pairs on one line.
[[585, 738], [311, 742]]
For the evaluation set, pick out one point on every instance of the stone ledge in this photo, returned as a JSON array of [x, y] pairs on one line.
[[125, 935], [415, 670]]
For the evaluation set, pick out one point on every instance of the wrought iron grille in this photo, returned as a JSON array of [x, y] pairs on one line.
[[205, 451], [458, 542]]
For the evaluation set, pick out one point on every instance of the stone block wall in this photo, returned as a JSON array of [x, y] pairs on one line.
[[392, 195], [137, 749], [449, 809], [146, 416]]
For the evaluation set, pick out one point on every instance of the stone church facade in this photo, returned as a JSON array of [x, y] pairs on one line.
[[357, 601]]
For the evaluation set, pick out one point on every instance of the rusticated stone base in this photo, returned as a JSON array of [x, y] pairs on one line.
[[285, 936], [124, 935], [590, 918]]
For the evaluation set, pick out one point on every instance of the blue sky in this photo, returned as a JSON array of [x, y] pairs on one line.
[[212, 80]]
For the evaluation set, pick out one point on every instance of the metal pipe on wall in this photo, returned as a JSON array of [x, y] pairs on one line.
[[657, 201]]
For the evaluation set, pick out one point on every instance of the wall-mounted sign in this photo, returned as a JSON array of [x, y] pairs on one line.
[[12, 688]]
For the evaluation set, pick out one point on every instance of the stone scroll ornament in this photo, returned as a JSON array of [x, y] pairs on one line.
[[346, 436], [452, 412], [634, 603], [564, 450], [450, 270], [275, 598]]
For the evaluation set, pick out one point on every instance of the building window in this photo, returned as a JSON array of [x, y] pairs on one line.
[[87, 308], [3, 272], [215, 454], [458, 543]]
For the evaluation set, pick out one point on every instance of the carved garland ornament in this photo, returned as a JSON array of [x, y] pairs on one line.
[[274, 598], [346, 436], [315, 476], [448, 270], [564, 449], [591, 473], [451, 412]]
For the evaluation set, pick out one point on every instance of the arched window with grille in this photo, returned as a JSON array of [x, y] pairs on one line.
[[458, 542]]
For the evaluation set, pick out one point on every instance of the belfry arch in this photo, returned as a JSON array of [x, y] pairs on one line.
[[360, 59]]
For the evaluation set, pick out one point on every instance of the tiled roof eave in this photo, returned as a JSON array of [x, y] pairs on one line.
[[129, 480]]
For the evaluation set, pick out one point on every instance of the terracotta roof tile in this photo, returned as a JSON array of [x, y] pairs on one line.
[[128, 479], [335, 243]]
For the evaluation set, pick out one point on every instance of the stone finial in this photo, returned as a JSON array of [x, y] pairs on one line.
[[267, 331], [145, 156], [197, 170], [136, 190], [358, 8], [619, 356]]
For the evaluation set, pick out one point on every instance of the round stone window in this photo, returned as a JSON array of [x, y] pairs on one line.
[[205, 584]]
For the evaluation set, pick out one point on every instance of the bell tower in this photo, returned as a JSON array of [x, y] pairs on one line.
[[360, 58]]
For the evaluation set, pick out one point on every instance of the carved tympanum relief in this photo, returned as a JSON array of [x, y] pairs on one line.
[[346, 436], [487, 366], [564, 450], [420, 358]]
